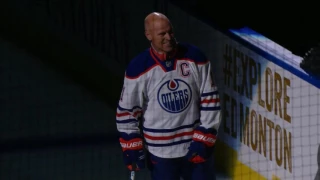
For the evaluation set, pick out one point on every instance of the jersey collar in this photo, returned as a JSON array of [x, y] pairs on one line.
[[163, 56]]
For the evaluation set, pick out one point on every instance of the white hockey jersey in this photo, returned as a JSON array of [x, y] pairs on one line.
[[170, 98]]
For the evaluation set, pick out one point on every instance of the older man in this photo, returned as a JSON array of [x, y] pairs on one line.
[[170, 91]]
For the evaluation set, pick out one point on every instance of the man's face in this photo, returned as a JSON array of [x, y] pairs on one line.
[[161, 36]]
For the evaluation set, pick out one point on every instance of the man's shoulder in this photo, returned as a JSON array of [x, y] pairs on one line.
[[140, 58], [139, 64], [193, 52]]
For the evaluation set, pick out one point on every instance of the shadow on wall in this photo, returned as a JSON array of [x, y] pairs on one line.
[[59, 93], [113, 28]]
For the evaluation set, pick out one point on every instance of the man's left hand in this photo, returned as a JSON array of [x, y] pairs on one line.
[[201, 147]]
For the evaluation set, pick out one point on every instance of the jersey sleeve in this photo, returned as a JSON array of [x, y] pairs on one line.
[[210, 111], [129, 109]]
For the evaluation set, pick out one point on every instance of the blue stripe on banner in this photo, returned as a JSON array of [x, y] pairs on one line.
[[169, 144], [123, 109], [209, 93], [171, 130], [285, 65], [126, 121], [210, 108]]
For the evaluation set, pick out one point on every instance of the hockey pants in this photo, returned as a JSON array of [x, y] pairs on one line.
[[180, 168]]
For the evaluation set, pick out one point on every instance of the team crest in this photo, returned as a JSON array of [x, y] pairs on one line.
[[174, 96]]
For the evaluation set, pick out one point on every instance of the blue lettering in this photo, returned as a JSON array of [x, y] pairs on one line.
[[186, 95], [172, 105], [175, 101], [168, 101], [182, 100], [164, 100]]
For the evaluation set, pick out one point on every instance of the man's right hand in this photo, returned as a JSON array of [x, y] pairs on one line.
[[133, 153]]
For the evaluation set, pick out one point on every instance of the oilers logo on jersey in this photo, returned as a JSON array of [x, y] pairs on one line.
[[174, 96]]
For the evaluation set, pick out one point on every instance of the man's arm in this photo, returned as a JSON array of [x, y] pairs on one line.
[[210, 101], [128, 115], [205, 135], [129, 108]]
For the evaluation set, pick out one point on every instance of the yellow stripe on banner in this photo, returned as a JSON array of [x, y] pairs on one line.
[[244, 172], [274, 177], [227, 162]]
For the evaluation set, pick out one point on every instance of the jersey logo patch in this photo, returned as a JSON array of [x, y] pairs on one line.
[[174, 96], [185, 69]]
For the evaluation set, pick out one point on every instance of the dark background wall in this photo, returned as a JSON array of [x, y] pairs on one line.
[[292, 25], [61, 71], [61, 66], [51, 127]]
